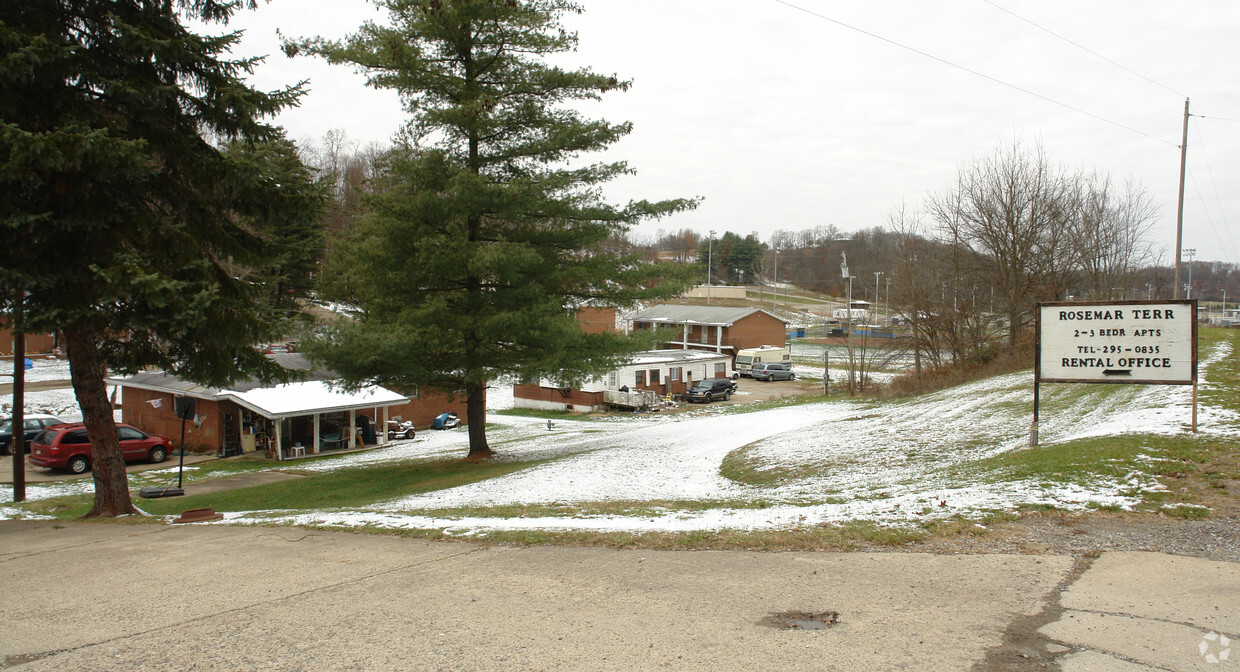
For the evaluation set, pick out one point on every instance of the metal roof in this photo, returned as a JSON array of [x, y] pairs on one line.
[[723, 316], [648, 357], [314, 393]]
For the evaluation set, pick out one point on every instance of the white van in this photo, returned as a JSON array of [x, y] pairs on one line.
[[745, 359]]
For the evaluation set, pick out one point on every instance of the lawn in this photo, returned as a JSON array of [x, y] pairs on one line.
[[834, 471]]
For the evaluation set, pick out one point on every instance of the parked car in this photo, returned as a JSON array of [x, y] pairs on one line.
[[67, 447], [711, 389], [773, 371], [34, 423]]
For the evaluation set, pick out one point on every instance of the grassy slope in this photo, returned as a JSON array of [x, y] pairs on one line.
[[1196, 470]]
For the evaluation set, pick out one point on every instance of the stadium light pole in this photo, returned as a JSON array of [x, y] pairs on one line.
[[710, 261], [1190, 253]]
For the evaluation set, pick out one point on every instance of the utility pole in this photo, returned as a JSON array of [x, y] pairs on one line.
[[17, 442], [848, 329], [1179, 213]]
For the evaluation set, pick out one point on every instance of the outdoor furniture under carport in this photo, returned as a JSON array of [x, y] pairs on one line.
[[314, 399]]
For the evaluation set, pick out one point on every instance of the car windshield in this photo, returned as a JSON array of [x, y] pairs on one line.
[[743, 359], [6, 426]]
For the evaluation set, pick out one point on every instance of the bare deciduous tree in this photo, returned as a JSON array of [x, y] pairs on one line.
[[1111, 235], [1010, 208]]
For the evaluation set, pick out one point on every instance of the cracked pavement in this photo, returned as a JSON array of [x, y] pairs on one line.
[[154, 597]]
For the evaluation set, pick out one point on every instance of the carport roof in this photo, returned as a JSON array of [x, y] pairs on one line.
[[318, 393], [312, 397]]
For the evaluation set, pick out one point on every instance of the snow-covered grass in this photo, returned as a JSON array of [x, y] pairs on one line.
[[60, 403], [957, 453], [45, 368]]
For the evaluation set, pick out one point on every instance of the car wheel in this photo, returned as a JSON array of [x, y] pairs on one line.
[[409, 434], [727, 396], [158, 454], [6, 449], [78, 465], [792, 376]]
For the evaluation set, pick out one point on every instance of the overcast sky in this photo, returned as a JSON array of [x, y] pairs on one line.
[[780, 117]]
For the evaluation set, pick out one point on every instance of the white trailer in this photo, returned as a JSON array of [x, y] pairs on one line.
[[746, 358]]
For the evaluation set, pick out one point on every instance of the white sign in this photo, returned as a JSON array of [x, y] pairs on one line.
[[1121, 342]]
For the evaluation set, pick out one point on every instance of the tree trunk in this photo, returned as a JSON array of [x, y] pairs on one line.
[[87, 369], [476, 408]]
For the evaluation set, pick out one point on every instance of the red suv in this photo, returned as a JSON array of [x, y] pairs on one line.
[[67, 447]]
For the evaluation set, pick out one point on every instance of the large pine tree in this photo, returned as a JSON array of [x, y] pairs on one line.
[[484, 237], [128, 229]]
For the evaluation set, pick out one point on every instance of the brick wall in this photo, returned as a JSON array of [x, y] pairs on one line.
[[137, 410], [426, 407], [755, 330], [597, 320], [35, 343]]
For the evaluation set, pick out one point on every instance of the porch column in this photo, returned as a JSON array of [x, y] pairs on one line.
[[719, 338], [684, 336], [382, 429], [279, 441], [352, 428], [315, 448]]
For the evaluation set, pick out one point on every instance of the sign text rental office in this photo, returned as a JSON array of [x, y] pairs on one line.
[[1151, 342]]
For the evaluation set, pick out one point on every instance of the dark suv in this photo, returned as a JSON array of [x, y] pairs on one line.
[[711, 389], [34, 423], [773, 371], [68, 447]]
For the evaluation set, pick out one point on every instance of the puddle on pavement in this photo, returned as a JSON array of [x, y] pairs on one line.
[[801, 620]]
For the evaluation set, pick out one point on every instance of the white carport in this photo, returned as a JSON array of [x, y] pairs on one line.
[[315, 398]]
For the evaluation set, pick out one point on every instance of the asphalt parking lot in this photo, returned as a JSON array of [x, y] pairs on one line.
[[81, 596]]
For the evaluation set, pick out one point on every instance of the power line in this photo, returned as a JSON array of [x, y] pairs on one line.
[[1222, 211], [1084, 49], [974, 72]]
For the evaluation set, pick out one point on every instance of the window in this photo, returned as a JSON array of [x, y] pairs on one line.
[[76, 436], [705, 333], [673, 373], [128, 434], [613, 378], [721, 369], [639, 378]]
